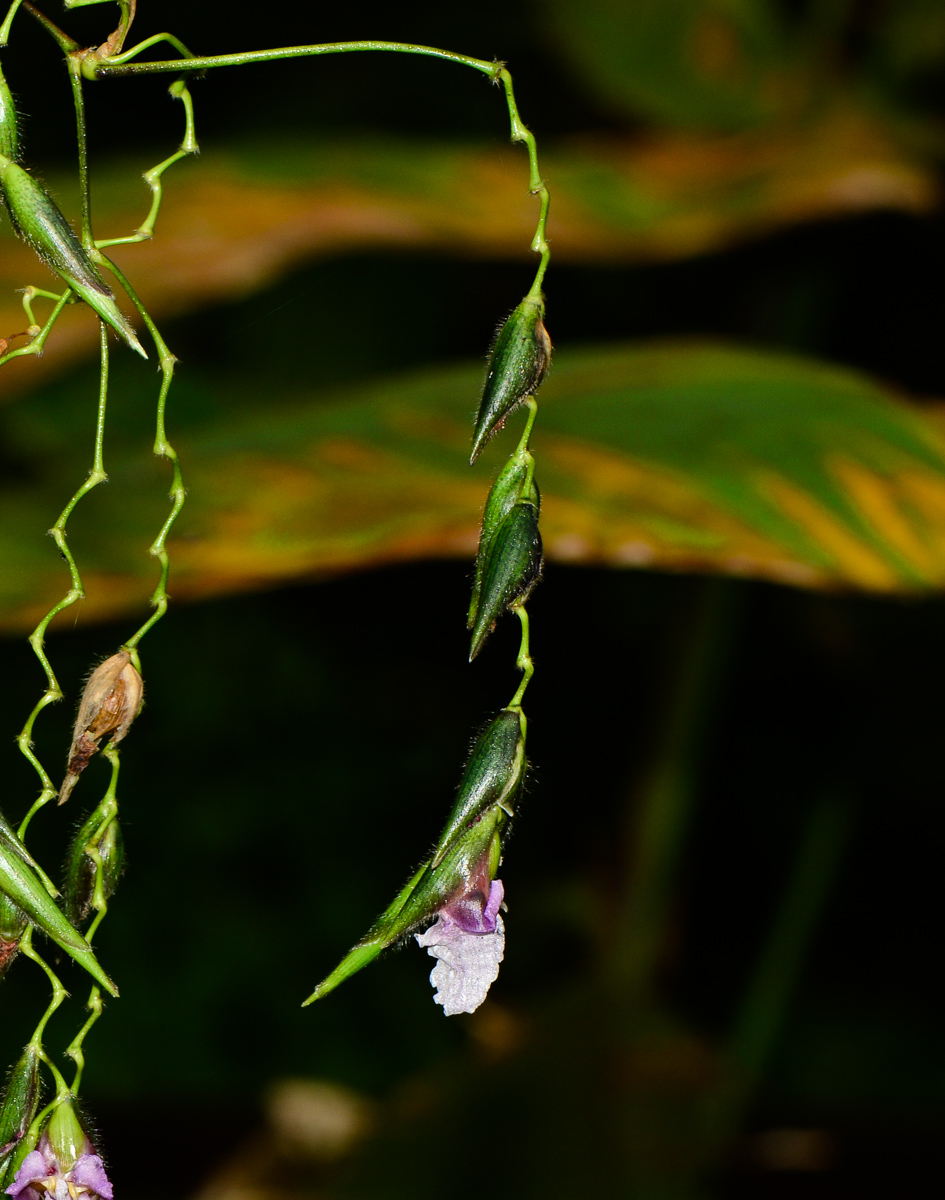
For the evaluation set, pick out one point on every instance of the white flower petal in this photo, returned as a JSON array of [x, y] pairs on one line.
[[468, 966]]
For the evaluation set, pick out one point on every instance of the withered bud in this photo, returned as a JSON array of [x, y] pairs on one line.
[[111, 701]]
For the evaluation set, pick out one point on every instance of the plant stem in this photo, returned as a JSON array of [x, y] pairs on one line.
[[164, 449], [76, 592], [658, 824]]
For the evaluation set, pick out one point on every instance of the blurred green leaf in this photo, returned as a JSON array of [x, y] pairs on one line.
[[702, 64], [679, 456], [743, 64], [235, 221]]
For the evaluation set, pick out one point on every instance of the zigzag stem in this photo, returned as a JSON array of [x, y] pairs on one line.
[[524, 660], [108, 809], [163, 448], [76, 592]]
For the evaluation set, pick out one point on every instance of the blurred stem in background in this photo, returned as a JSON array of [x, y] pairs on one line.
[[658, 826], [772, 985], [659, 817]]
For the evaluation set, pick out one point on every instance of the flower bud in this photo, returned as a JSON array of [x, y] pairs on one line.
[[9, 137], [112, 699], [22, 885], [19, 1104], [81, 868], [467, 851], [504, 494], [66, 1136], [12, 924], [517, 365], [40, 222], [511, 569], [492, 777]]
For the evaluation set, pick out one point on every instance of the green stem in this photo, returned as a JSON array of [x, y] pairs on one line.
[[116, 65], [536, 185], [85, 196], [119, 65], [524, 660], [164, 449], [38, 343], [109, 812], [152, 178], [658, 824], [59, 994], [76, 592], [765, 1005], [62, 39], [8, 22]]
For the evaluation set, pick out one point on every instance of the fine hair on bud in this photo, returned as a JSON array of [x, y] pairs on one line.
[[110, 702], [503, 495], [18, 1105], [512, 567], [518, 363], [9, 133], [81, 869], [13, 922], [37, 219]]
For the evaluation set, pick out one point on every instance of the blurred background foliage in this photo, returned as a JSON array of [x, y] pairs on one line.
[[724, 890]]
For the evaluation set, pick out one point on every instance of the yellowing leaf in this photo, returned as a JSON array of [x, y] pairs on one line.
[[235, 221], [672, 456]]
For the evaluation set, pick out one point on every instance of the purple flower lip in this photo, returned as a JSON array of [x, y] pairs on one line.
[[472, 912], [468, 941], [40, 1174]]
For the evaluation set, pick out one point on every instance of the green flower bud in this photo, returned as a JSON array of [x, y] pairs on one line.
[[512, 568], [18, 1107], [66, 1136], [41, 223], [81, 868], [517, 365], [469, 840], [24, 887], [492, 777], [9, 137], [504, 494], [12, 924]]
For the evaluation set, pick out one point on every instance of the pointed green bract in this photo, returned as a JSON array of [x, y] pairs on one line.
[[512, 568], [504, 494], [20, 882], [9, 839], [429, 889], [18, 1108], [81, 868], [9, 136], [492, 776], [41, 223], [517, 365], [483, 805]]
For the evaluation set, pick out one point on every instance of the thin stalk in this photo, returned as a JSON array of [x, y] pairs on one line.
[[38, 343], [524, 659], [119, 65], [162, 448], [659, 821], [8, 22], [76, 591], [82, 142], [109, 812], [767, 998]]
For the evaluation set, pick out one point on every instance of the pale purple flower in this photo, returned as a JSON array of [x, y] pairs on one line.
[[40, 1177], [468, 938]]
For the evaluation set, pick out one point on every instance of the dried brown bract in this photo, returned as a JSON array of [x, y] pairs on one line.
[[111, 701]]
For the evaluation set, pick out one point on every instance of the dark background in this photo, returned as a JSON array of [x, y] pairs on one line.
[[298, 748]]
